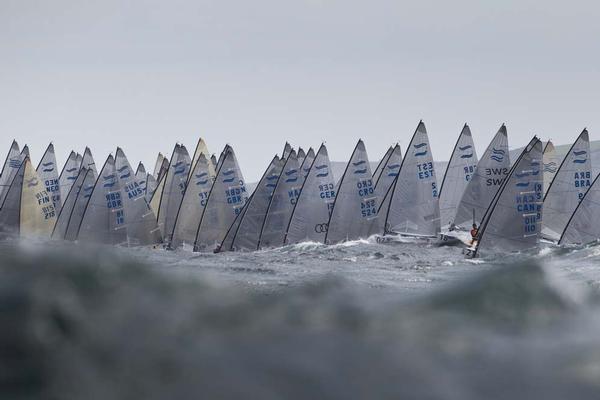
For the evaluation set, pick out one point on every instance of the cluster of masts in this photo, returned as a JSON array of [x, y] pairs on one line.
[[202, 202]]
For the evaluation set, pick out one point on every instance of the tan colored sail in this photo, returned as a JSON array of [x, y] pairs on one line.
[[38, 215]]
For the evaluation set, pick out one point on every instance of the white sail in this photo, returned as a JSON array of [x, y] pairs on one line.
[[172, 191], [382, 162], [307, 161], [414, 206], [225, 201], [9, 169], [459, 171], [201, 148], [313, 208], [104, 217], [81, 202], [513, 220], [158, 165], [287, 149], [246, 234], [25, 153], [79, 160], [139, 220], [282, 202], [491, 171], [140, 177], [583, 226], [389, 171], [213, 160], [354, 213], [572, 180], [551, 161], [47, 172], [69, 174], [64, 215], [300, 155], [151, 186], [193, 203], [10, 208], [37, 214], [88, 161]]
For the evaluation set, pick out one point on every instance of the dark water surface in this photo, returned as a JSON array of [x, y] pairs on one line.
[[361, 320]]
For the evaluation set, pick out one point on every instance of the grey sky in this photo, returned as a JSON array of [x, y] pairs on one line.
[[144, 74]]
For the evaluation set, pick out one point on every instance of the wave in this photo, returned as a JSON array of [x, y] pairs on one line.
[[303, 321]]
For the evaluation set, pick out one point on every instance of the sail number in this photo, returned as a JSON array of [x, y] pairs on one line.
[[425, 170]]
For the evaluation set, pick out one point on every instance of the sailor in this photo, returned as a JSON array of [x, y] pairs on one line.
[[474, 231]]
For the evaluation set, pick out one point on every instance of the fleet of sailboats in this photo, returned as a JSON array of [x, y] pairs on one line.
[[201, 203]]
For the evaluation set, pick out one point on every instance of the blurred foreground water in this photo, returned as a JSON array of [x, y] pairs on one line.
[[359, 320]]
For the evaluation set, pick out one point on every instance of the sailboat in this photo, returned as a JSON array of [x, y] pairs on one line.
[[244, 233], [413, 198], [165, 203], [583, 226], [489, 175], [193, 203], [48, 174], [513, 219], [9, 169], [389, 171], [311, 213], [382, 162], [73, 216], [459, 171], [103, 217], [281, 205], [27, 208], [117, 211], [69, 174], [551, 161], [140, 176], [571, 182], [70, 200], [88, 161], [158, 165], [354, 209], [225, 201]]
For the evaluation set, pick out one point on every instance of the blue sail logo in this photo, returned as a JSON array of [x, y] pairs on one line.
[[419, 146], [550, 167], [497, 154], [32, 182], [578, 154], [47, 166]]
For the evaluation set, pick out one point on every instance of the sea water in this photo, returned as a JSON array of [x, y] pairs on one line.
[[360, 320]]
